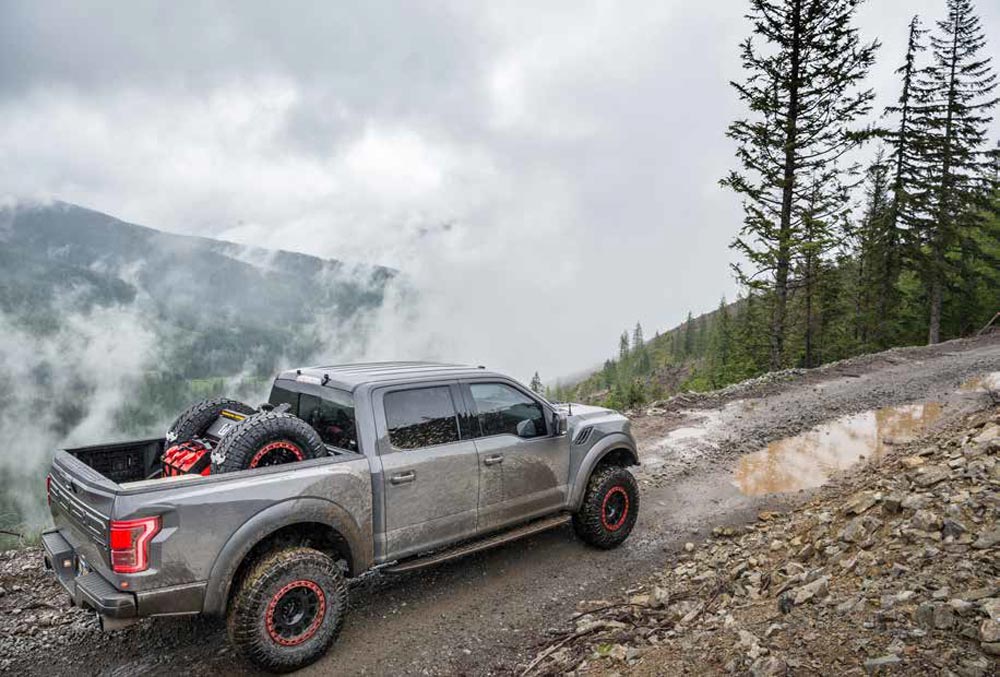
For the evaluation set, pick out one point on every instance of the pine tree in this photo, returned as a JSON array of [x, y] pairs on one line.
[[638, 343], [536, 384], [878, 263], [623, 349], [803, 91], [952, 116], [689, 336], [720, 352], [905, 141]]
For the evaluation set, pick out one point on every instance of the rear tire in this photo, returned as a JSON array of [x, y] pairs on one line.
[[288, 609], [610, 507], [197, 418], [265, 439]]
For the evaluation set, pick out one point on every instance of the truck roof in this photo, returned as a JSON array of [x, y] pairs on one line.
[[350, 376]]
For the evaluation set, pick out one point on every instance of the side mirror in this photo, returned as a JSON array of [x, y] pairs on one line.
[[560, 423], [526, 428]]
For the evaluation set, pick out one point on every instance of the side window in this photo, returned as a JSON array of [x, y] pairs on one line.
[[421, 417], [281, 396], [332, 417], [503, 409]]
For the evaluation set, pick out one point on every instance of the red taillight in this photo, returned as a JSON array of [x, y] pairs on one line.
[[129, 542], [48, 489]]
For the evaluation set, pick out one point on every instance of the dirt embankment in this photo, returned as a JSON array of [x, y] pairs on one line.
[[895, 568]]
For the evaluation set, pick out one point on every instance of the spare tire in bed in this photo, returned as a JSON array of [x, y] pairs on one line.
[[265, 439], [197, 418]]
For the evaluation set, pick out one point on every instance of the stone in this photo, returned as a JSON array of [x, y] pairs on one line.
[[952, 528], [916, 502], [989, 631], [989, 433], [991, 607], [875, 665], [817, 588], [991, 648], [944, 617], [925, 520], [858, 529], [912, 462], [924, 615], [987, 539], [930, 475], [689, 547], [973, 666], [861, 502], [768, 666], [892, 504]]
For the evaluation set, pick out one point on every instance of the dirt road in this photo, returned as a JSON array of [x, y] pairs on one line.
[[485, 614]]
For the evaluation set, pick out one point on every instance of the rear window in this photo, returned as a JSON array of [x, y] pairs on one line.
[[332, 416], [421, 417]]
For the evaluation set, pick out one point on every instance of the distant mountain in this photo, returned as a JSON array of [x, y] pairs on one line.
[[47, 250]]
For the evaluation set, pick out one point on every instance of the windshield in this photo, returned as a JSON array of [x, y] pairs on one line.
[[332, 416]]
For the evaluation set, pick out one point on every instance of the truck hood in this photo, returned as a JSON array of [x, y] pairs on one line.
[[584, 412]]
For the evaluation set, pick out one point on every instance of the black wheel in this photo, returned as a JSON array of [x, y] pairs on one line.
[[610, 507], [288, 609], [268, 438], [198, 417]]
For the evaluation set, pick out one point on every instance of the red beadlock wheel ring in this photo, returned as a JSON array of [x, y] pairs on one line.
[[320, 613], [283, 445], [623, 504]]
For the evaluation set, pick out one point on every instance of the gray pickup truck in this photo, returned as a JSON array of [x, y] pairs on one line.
[[421, 463]]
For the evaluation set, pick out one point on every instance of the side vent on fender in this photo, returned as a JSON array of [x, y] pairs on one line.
[[583, 435]]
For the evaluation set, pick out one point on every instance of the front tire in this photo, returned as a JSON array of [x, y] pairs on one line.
[[610, 507], [288, 609]]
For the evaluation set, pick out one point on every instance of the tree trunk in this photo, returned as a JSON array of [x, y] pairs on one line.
[[934, 325], [784, 254]]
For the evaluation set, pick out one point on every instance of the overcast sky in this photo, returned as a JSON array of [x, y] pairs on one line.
[[546, 176]]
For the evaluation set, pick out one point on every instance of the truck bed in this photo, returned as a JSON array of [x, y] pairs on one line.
[[140, 460], [124, 462]]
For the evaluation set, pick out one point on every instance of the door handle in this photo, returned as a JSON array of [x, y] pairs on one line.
[[493, 460], [403, 477]]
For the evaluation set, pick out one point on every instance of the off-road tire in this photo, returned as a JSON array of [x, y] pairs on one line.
[[267, 438], [197, 418], [596, 523], [257, 623]]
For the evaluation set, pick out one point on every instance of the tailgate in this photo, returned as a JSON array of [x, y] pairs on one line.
[[81, 504]]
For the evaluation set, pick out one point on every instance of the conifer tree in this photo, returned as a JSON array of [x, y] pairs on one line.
[[805, 62], [536, 384], [877, 250], [956, 94], [689, 336], [904, 141], [623, 349], [638, 343]]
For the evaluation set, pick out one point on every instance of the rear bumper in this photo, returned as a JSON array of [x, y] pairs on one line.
[[93, 591], [89, 590]]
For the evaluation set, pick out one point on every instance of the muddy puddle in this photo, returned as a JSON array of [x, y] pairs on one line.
[[982, 383], [808, 460]]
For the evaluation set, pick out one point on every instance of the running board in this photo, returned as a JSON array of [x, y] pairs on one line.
[[477, 546]]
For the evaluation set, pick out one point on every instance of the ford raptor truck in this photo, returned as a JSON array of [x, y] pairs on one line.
[[261, 515]]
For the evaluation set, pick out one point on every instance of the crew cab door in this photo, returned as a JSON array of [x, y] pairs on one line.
[[429, 467], [523, 463]]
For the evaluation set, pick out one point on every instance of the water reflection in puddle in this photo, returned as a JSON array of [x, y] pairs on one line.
[[982, 383], [808, 460]]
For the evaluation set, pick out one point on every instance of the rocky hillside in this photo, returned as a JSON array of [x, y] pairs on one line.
[[893, 569]]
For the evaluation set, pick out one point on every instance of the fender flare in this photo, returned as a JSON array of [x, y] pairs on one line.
[[598, 452], [268, 521]]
